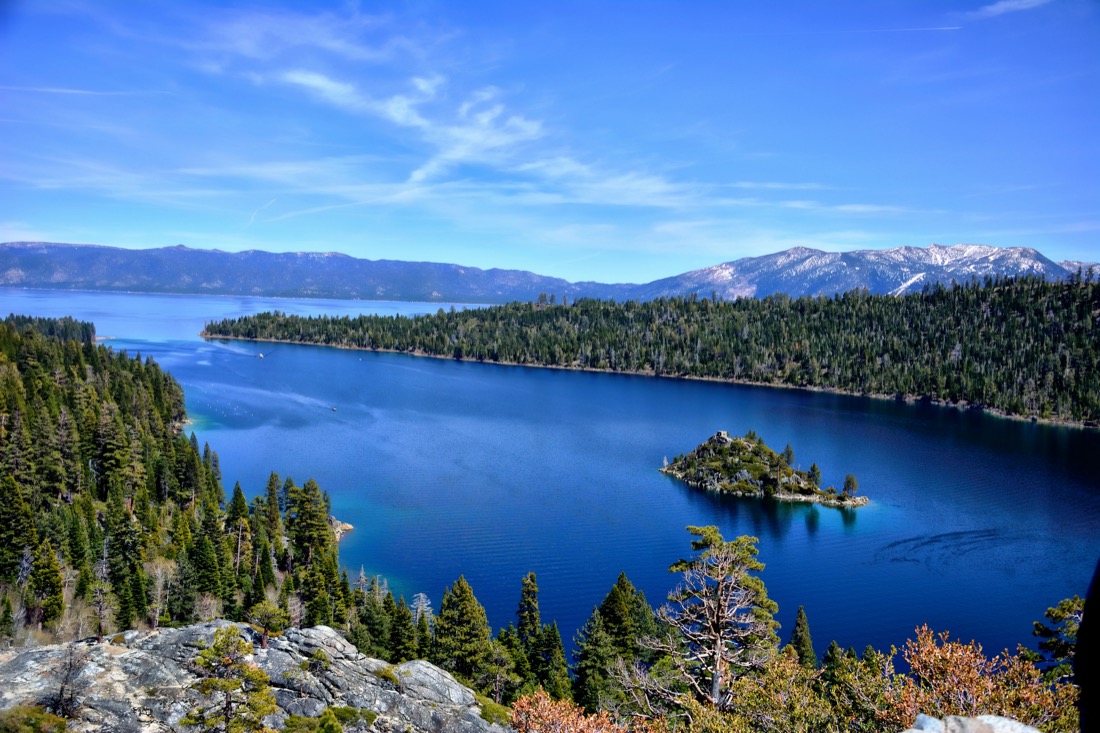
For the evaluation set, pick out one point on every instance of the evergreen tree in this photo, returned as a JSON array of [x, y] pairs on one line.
[[308, 523], [402, 644], [832, 663], [423, 638], [315, 598], [721, 613], [461, 632], [238, 507], [850, 485], [593, 656], [266, 568], [204, 565], [551, 669], [17, 532], [240, 691], [7, 621], [521, 666], [270, 618], [498, 674], [375, 625], [530, 623], [801, 641], [1058, 637], [627, 617]]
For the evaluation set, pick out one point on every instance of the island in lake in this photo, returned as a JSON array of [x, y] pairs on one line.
[[747, 467]]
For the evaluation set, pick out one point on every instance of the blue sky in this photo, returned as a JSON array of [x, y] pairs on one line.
[[614, 141]]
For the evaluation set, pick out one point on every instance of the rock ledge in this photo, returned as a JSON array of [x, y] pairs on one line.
[[140, 682]]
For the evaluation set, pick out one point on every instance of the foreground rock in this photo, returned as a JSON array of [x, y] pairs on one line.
[[980, 724], [142, 682]]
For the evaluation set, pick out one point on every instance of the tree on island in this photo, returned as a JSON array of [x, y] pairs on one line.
[[815, 475], [850, 485]]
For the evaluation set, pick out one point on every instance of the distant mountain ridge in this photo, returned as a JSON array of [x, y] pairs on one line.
[[805, 271], [798, 271]]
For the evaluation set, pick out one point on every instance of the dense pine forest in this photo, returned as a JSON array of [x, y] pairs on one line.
[[1021, 346], [112, 518]]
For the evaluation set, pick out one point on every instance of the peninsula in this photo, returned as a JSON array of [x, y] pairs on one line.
[[747, 467]]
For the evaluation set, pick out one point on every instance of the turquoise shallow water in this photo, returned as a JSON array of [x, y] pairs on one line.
[[976, 524]]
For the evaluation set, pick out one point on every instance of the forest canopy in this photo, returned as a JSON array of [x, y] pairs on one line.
[[1020, 346]]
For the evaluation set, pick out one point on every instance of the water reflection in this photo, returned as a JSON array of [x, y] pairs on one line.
[[767, 517]]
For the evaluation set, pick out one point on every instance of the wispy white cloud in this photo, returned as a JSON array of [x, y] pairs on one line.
[[252, 219], [67, 90], [158, 186], [262, 36], [480, 131], [330, 90], [1006, 6]]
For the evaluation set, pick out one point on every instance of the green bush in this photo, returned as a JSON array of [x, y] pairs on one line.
[[30, 719], [389, 674], [492, 712], [350, 716]]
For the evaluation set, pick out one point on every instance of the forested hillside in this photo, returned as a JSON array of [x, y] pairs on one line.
[[111, 517], [1022, 346]]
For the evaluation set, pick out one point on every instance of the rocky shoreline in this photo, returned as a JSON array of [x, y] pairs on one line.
[[830, 500], [339, 528]]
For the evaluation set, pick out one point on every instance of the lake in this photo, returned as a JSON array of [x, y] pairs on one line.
[[977, 524]]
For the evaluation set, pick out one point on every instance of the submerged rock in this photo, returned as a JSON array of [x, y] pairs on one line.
[[142, 682]]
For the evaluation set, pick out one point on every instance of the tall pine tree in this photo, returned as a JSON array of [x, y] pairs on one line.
[[461, 632], [801, 641]]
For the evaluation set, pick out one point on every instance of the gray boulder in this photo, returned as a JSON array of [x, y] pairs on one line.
[[142, 682], [979, 724]]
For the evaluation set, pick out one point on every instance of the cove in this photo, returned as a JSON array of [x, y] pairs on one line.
[[976, 524]]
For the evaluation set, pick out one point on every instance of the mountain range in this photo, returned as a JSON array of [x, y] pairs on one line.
[[798, 271]]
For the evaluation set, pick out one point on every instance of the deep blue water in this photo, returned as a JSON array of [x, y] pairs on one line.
[[976, 525]]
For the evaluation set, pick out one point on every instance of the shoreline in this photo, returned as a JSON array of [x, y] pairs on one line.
[[905, 399], [339, 528], [174, 293], [828, 500]]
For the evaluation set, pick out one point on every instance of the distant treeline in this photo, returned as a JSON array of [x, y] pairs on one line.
[[1023, 346], [67, 328]]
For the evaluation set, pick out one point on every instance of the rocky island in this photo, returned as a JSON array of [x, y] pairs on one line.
[[747, 467]]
